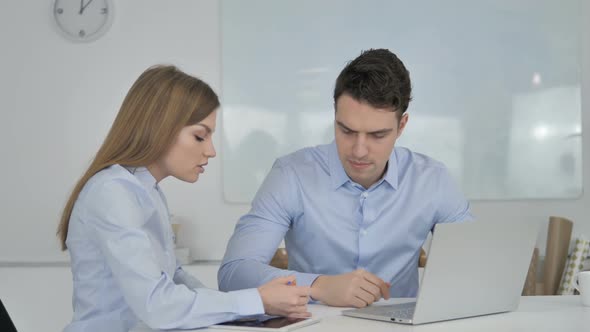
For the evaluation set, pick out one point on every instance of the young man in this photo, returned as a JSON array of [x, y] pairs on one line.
[[354, 213]]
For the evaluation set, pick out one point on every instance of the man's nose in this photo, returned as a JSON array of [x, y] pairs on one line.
[[360, 149]]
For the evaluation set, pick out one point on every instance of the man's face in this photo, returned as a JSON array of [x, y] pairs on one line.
[[365, 137]]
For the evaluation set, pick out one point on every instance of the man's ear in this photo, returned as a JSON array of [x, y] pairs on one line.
[[402, 124]]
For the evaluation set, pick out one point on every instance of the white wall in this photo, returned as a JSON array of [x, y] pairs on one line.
[[57, 100]]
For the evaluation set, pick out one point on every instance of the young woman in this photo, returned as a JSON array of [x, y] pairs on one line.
[[116, 227]]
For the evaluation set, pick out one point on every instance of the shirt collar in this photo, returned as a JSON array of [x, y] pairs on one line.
[[391, 175], [144, 176], [339, 177]]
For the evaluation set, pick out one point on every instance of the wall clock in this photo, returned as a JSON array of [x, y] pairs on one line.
[[83, 20]]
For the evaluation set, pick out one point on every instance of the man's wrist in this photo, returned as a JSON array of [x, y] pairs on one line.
[[316, 288]]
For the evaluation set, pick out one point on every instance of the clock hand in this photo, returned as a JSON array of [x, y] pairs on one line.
[[81, 7], [84, 7]]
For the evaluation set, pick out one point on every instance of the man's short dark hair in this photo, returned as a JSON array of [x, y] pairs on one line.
[[377, 77]]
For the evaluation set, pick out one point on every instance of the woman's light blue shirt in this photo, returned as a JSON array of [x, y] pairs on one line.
[[123, 264]]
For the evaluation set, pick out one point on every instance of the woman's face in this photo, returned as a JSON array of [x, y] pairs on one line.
[[189, 154]]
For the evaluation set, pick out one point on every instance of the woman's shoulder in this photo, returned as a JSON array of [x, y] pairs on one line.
[[112, 182], [114, 195]]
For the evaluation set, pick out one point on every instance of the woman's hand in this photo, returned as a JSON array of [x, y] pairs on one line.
[[281, 297]]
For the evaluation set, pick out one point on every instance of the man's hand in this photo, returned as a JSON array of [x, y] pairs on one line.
[[282, 298], [355, 289]]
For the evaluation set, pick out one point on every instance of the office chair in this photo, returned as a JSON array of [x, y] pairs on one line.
[[281, 259], [6, 324]]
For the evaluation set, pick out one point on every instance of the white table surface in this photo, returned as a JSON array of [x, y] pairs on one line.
[[535, 313]]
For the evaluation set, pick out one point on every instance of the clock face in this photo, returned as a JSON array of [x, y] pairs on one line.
[[83, 20]]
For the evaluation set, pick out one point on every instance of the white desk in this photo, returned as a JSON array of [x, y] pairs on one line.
[[535, 313]]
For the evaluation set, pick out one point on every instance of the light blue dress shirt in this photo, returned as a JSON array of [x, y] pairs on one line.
[[123, 264], [332, 225]]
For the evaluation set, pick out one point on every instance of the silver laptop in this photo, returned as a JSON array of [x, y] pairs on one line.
[[473, 269]]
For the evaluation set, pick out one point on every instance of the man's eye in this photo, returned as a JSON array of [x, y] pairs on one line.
[[379, 136], [346, 131], [199, 139]]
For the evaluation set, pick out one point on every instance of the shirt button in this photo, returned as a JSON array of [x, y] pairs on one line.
[[365, 194], [363, 232]]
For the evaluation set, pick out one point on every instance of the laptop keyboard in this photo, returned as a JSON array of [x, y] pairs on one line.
[[400, 311]]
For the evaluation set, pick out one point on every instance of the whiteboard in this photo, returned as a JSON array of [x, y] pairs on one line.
[[496, 86]]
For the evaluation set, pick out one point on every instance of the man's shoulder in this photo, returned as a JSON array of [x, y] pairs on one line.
[[311, 156], [407, 159]]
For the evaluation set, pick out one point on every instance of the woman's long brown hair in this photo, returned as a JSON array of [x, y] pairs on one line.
[[160, 103]]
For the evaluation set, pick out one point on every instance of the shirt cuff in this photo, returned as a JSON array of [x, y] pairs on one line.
[[248, 302], [305, 279]]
